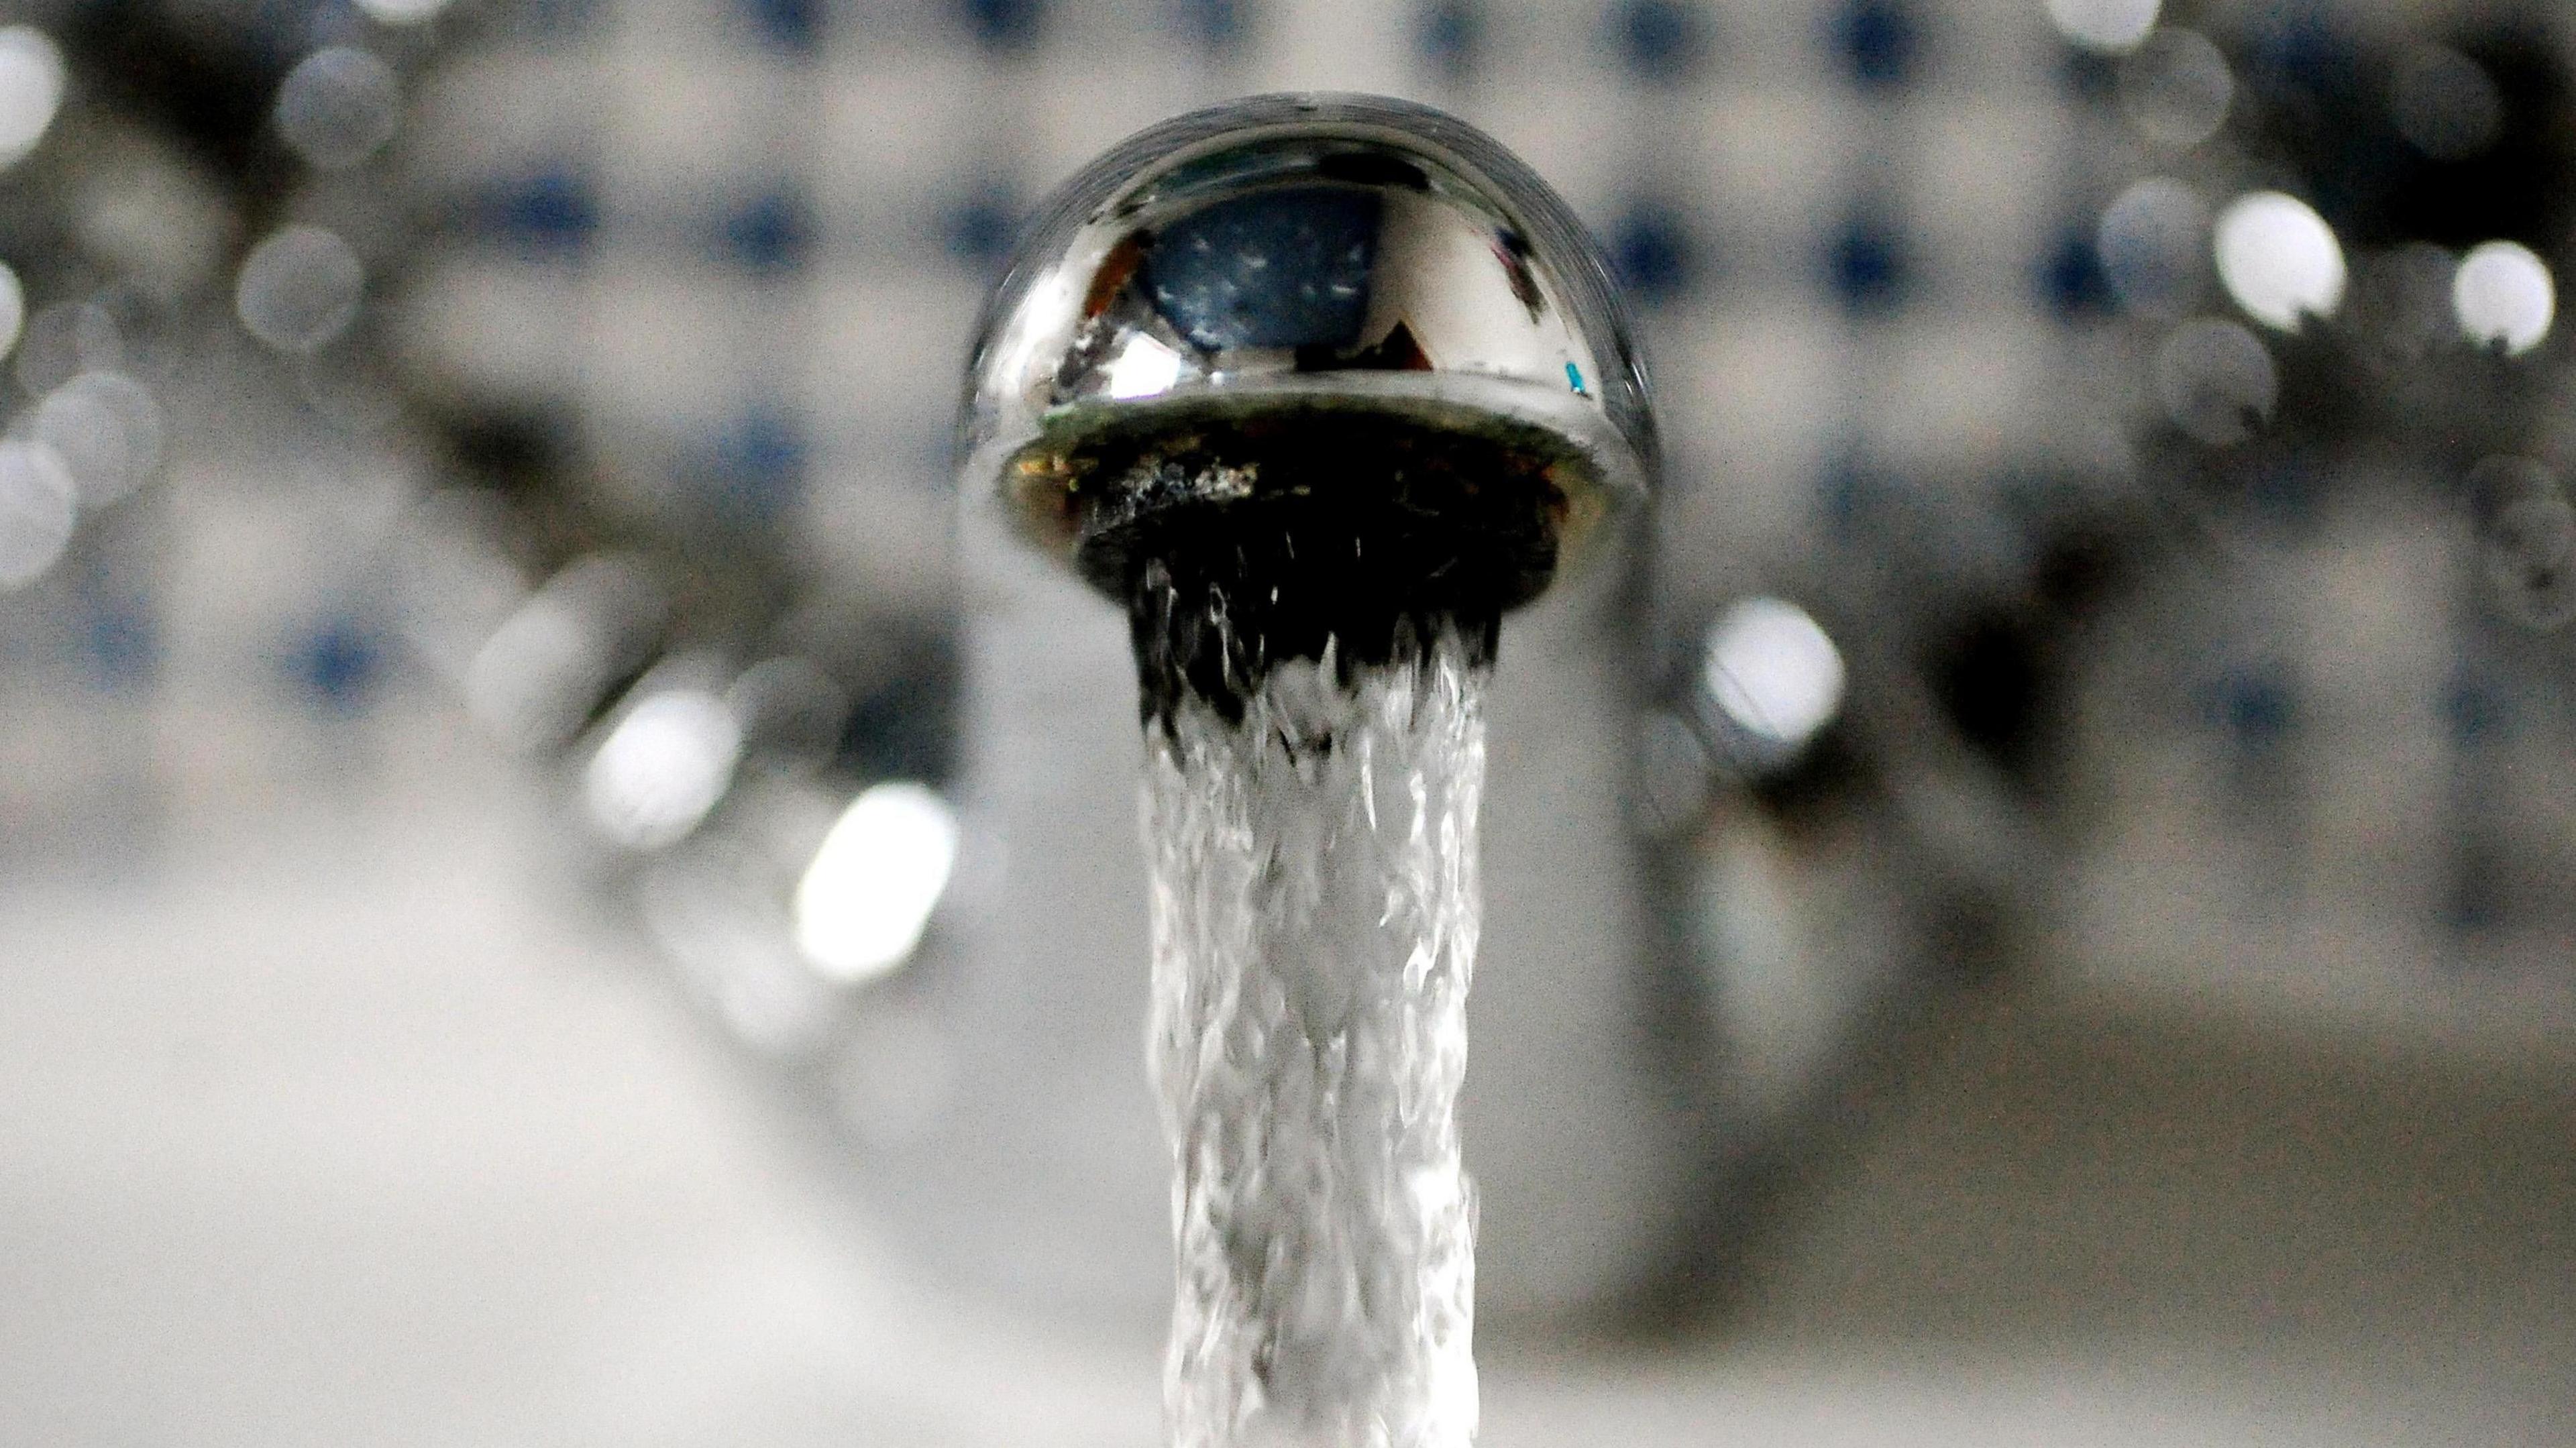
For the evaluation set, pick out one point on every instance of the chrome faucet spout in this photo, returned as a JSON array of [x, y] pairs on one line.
[[1320, 368]]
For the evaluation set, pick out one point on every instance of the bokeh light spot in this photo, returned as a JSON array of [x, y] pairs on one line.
[[866, 898], [662, 768], [299, 289], [1772, 672], [338, 107], [31, 89], [2107, 26], [2176, 88], [2216, 381], [2279, 259], [2504, 297], [2151, 245]]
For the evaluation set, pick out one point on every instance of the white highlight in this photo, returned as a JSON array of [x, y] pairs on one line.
[[866, 898], [2108, 26], [1773, 671], [2279, 259], [2504, 297], [31, 89], [1143, 368], [662, 768]]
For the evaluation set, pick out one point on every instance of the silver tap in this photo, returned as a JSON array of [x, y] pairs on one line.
[[1286, 272], [1305, 260]]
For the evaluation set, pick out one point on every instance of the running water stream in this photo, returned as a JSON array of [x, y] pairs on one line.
[[1315, 913]]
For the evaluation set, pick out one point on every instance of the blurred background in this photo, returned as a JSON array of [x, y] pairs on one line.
[[550, 894]]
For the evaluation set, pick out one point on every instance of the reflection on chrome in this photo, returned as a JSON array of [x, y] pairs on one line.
[[2176, 89], [865, 900], [2216, 381], [1772, 672], [37, 512], [299, 289], [2151, 245], [338, 106], [31, 89], [2279, 259], [1436, 279], [2504, 297], [662, 768], [2108, 26]]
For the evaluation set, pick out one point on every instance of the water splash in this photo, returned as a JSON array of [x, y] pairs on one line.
[[1315, 914]]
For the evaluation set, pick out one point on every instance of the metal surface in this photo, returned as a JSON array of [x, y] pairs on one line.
[[1289, 251]]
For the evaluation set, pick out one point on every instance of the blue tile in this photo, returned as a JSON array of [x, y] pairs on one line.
[[1660, 40], [759, 466], [2475, 712], [2256, 708], [1451, 37], [1867, 266], [2299, 44], [1879, 41], [2071, 279], [551, 211], [339, 664], [1002, 24], [1651, 249], [120, 645], [772, 232], [978, 226], [795, 26], [1216, 25]]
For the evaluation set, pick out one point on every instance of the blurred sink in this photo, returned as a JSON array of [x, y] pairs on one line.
[[348, 1118]]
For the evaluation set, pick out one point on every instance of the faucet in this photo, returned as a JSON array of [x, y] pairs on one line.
[[1252, 336], [1222, 323]]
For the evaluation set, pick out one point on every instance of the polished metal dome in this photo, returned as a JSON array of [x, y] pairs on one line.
[[1308, 263]]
